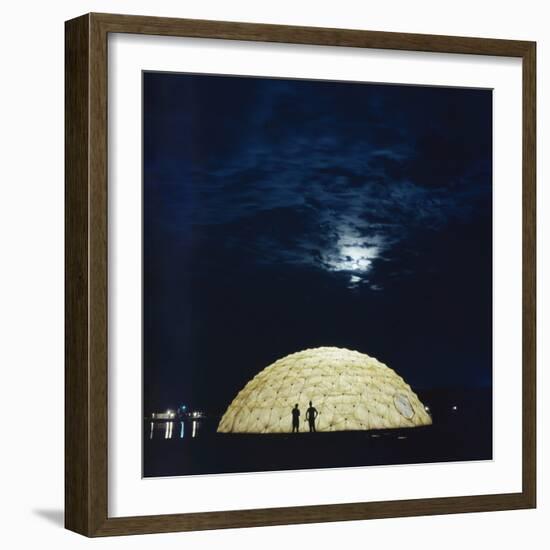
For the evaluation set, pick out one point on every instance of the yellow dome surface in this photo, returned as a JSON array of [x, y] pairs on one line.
[[350, 390]]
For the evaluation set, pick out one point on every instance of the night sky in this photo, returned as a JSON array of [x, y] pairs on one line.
[[281, 215]]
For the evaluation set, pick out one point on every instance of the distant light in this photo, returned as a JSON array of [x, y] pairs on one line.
[[426, 408], [455, 407]]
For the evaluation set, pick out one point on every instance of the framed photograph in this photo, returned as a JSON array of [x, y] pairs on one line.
[[300, 274]]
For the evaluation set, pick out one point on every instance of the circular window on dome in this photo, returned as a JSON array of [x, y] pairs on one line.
[[403, 405]]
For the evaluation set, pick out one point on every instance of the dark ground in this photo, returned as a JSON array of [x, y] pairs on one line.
[[456, 435]]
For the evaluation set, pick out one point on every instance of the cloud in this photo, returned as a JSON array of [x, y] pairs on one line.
[[332, 186]]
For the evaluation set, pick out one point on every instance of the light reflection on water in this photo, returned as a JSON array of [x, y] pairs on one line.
[[165, 430]]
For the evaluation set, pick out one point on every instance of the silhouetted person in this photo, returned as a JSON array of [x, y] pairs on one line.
[[295, 419], [311, 415]]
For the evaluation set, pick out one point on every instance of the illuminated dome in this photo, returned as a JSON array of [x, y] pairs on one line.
[[350, 390]]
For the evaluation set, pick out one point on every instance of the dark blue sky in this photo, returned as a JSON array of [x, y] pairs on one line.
[[286, 214]]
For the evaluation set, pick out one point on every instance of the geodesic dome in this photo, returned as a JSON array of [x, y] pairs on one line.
[[350, 390]]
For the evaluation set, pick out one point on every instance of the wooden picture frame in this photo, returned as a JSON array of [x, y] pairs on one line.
[[86, 283]]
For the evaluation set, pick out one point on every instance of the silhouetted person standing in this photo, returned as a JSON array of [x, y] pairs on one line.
[[295, 419], [311, 415]]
